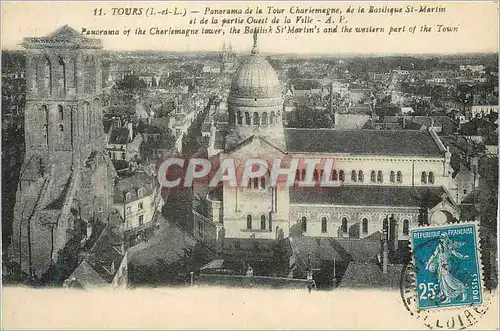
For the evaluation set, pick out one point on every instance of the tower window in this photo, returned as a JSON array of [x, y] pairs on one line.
[[239, 118], [406, 226], [341, 175], [344, 225], [399, 177], [255, 183], [380, 177], [334, 175], [431, 177], [249, 222], [364, 224], [60, 111], [61, 128], [303, 174], [353, 176], [324, 225], [247, 118], [297, 175], [256, 120], [361, 176], [263, 222], [315, 174], [264, 118], [263, 182], [47, 75], [423, 178], [372, 176], [62, 74], [304, 224], [392, 177]]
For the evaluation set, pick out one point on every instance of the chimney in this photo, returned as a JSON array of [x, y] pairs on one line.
[[130, 131], [89, 230], [385, 257]]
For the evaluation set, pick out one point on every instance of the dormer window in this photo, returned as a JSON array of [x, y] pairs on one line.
[[140, 192], [128, 196]]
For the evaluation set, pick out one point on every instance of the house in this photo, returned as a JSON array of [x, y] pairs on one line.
[[124, 143], [138, 201], [104, 265]]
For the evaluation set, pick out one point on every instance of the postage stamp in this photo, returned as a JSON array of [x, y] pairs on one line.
[[447, 264]]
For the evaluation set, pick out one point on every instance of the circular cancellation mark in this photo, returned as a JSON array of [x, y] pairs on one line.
[[457, 318]]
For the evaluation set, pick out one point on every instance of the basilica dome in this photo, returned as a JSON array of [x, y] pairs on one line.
[[255, 78]]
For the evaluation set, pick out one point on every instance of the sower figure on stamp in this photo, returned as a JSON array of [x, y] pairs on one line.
[[439, 262]]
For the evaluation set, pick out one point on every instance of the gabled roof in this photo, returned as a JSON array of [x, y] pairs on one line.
[[362, 142], [370, 275], [369, 195], [248, 141], [86, 276]]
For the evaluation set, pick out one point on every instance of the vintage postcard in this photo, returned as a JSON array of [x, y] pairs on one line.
[[249, 165]]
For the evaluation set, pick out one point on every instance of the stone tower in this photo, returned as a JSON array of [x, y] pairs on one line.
[[63, 97], [255, 103], [66, 177]]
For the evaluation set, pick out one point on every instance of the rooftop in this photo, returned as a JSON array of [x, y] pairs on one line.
[[367, 195], [362, 142]]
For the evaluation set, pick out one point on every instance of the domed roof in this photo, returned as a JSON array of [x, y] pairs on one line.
[[255, 78]]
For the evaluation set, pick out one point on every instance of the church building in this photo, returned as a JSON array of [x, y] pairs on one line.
[[386, 181]]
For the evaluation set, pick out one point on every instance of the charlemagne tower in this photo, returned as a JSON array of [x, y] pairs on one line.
[[65, 157]]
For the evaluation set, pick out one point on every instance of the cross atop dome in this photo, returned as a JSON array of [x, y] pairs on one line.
[[255, 49]]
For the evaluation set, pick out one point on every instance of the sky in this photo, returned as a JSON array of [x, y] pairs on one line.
[[476, 23]]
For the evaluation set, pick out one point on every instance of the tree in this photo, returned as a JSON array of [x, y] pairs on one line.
[[308, 117]]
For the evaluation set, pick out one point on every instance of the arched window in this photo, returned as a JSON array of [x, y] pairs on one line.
[[399, 177], [315, 174], [47, 75], [303, 174], [385, 226], [273, 118], [304, 224], [71, 74], [239, 118], [334, 175], [247, 118], [61, 128], [423, 178], [344, 225], [324, 225], [60, 112], [262, 182], [62, 74], [128, 196], [380, 177], [249, 222], [263, 222], [353, 176], [431, 177], [364, 224], [250, 183], [392, 178], [361, 176], [341, 175], [264, 118], [406, 226], [256, 183], [140, 192], [297, 174], [256, 120], [321, 174], [373, 177]]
